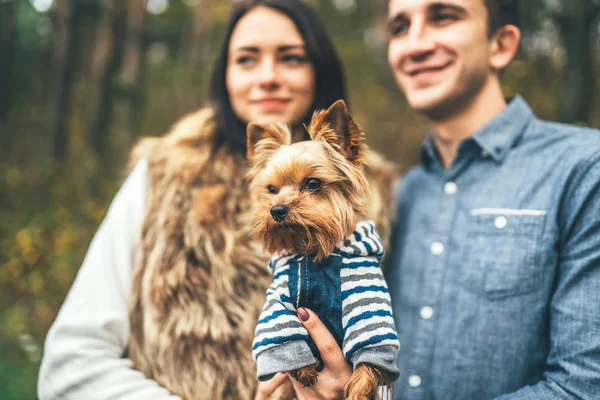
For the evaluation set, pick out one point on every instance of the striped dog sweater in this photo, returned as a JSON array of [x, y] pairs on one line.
[[348, 292]]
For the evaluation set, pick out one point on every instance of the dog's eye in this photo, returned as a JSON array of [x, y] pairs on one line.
[[312, 184], [272, 189]]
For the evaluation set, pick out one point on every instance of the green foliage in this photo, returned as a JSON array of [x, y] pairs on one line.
[[18, 372]]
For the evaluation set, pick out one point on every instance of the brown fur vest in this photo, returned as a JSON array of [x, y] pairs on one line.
[[199, 281]]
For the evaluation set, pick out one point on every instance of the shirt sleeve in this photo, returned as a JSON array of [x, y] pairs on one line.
[[369, 331], [83, 353], [280, 340], [573, 365]]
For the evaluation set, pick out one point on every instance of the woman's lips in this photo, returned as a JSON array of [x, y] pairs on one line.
[[271, 104]]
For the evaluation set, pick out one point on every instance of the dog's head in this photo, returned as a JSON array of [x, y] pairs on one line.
[[309, 195]]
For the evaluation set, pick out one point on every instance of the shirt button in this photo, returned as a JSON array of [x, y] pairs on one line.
[[501, 222], [437, 248], [426, 312], [414, 381], [450, 188]]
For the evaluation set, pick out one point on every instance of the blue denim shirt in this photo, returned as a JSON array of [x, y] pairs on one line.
[[495, 268]]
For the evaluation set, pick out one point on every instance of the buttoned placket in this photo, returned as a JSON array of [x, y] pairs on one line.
[[439, 241]]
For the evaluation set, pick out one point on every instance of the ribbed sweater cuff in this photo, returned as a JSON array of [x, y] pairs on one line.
[[288, 356]]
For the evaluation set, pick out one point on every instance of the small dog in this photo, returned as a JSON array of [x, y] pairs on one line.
[[310, 213]]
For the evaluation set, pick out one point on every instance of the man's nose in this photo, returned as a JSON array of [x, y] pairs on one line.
[[420, 41]]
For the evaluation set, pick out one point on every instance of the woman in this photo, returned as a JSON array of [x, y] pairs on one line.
[[166, 301]]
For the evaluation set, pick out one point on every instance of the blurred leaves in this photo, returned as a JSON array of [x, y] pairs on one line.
[[18, 368]]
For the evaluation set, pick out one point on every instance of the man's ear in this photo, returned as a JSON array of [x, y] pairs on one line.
[[337, 128], [265, 138], [504, 46]]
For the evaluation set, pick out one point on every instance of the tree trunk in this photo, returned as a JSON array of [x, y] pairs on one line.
[[132, 72], [576, 23], [106, 60], [8, 36], [64, 63], [198, 43]]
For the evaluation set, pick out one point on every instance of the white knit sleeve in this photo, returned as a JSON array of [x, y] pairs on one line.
[[83, 353]]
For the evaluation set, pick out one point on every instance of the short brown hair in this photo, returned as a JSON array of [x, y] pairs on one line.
[[500, 13]]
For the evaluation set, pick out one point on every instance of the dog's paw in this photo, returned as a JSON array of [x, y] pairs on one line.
[[364, 382], [307, 376]]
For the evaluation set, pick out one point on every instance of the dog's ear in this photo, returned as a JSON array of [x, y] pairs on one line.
[[265, 138], [254, 133], [337, 128]]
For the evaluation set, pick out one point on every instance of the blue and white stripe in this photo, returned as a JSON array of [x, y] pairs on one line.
[[364, 241], [278, 322], [366, 306]]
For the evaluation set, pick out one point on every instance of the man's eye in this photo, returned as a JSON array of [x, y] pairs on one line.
[[443, 17], [312, 184], [272, 189]]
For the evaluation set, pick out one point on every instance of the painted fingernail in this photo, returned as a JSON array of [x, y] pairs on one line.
[[303, 314]]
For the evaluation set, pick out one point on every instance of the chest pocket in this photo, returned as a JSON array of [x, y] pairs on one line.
[[502, 255]]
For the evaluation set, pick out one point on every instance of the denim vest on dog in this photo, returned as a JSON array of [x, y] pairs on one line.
[[348, 292]]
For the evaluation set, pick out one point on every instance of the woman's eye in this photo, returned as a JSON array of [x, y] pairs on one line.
[[244, 60], [399, 28], [312, 184], [272, 189], [294, 59]]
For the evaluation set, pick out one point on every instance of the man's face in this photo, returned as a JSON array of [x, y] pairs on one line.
[[439, 52]]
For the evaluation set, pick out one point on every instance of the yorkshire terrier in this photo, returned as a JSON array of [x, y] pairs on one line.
[[310, 212]]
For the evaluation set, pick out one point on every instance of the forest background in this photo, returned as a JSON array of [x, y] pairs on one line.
[[80, 80]]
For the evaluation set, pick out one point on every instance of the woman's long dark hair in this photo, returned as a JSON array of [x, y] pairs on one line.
[[330, 82]]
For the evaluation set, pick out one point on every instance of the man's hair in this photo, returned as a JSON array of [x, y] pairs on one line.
[[501, 13]]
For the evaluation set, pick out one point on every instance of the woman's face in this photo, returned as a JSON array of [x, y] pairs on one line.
[[269, 76]]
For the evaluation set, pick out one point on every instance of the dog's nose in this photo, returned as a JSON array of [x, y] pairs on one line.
[[279, 212]]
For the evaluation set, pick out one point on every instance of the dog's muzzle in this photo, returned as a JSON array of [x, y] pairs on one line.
[[279, 212]]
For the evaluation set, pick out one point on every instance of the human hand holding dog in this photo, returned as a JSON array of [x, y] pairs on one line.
[[332, 378], [268, 388], [336, 371], [310, 201]]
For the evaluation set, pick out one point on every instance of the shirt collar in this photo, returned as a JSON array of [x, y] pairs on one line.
[[428, 152], [497, 137], [501, 133], [363, 242]]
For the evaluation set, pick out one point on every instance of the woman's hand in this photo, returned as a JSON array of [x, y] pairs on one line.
[[332, 378], [266, 389], [336, 371]]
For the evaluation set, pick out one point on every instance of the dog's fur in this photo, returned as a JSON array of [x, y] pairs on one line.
[[317, 222], [199, 279], [316, 219]]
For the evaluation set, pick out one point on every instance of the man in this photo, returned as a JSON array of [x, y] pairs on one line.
[[495, 274], [495, 266]]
